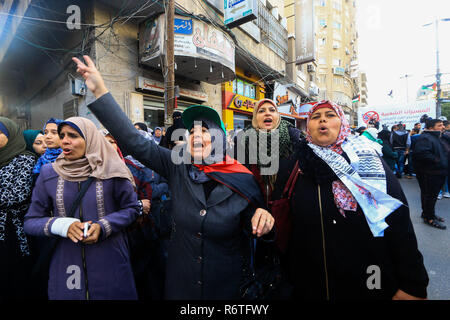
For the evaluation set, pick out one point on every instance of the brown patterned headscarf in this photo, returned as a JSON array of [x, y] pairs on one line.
[[100, 160], [255, 112]]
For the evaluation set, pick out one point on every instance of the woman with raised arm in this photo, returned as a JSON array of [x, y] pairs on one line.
[[214, 199], [352, 237], [90, 259]]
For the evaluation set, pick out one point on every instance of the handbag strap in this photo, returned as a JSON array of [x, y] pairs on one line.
[[291, 181], [84, 186]]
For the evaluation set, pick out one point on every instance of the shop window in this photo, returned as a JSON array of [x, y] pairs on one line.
[[244, 88], [241, 121], [154, 111], [154, 117]]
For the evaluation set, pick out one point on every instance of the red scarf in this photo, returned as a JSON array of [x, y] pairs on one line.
[[229, 165]]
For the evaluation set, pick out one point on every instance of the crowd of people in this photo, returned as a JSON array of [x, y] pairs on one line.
[[425, 149], [114, 214]]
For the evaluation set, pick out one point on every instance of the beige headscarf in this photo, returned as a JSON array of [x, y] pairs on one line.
[[100, 161], [255, 112]]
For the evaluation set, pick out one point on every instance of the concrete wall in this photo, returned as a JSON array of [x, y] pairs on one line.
[[45, 88], [116, 57], [259, 50]]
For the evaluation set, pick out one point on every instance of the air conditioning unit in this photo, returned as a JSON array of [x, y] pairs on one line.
[[311, 68], [314, 91], [339, 71]]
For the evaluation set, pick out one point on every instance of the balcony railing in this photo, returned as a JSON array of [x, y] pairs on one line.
[[273, 34]]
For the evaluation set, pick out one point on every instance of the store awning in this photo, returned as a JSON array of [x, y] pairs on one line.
[[287, 109], [202, 51], [304, 109]]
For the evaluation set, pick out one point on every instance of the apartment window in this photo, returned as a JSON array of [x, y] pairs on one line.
[[346, 83], [337, 25], [322, 3], [337, 62], [336, 44], [322, 61], [338, 81], [322, 41], [337, 6], [323, 23]]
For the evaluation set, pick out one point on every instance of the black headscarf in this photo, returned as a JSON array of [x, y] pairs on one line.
[[385, 135], [16, 143], [142, 126]]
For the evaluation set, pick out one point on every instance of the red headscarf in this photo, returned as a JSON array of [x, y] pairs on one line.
[[343, 198], [345, 127]]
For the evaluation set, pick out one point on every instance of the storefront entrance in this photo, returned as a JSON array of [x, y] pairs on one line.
[[241, 121], [154, 111]]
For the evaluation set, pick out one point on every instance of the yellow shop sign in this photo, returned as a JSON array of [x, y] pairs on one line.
[[242, 103]]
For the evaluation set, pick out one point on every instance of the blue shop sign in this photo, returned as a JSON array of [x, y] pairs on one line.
[[182, 26]]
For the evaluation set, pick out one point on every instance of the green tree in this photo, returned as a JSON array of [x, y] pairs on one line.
[[446, 110]]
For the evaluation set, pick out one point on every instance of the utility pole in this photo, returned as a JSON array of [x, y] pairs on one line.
[[438, 70], [169, 92], [438, 74], [406, 76]]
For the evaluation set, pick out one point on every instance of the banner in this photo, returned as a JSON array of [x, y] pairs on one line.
[[304, 32], [393, 114]]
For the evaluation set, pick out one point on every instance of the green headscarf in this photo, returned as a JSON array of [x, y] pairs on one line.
[[16, 143], [30, 136]]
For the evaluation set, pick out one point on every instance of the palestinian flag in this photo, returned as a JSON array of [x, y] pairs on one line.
[[431, 87], [236, 177], [356, 99]]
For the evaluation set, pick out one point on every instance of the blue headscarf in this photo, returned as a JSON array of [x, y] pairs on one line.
[[157, 139], [50, 155]]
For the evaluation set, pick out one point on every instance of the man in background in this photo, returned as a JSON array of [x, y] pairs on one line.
[[401, 142], [431, 165]]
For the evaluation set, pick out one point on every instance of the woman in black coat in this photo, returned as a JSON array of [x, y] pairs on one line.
[[352, 234], [214, 198], [16, 168]]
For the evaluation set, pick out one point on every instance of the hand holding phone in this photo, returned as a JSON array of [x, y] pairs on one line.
[[87, 225]]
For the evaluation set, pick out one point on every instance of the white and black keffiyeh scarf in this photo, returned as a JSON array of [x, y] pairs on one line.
[[365, 178]]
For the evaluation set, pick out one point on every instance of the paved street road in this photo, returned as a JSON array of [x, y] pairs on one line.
[[433, 243]]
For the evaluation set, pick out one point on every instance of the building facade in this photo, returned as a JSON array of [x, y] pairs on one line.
[[337, 53], [212, 63]]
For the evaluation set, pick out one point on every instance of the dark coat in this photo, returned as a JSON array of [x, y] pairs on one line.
[[16, 255], [429, 155], [446, 143], [286, 164], [205, 255], [103, 268], [330, 256]]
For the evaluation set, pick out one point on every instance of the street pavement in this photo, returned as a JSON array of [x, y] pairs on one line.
[[434, 244]]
